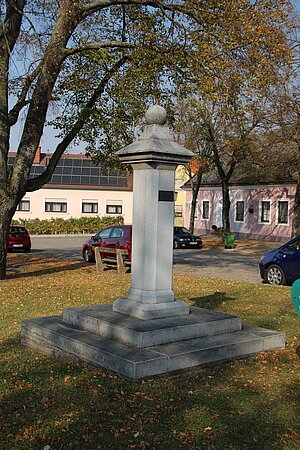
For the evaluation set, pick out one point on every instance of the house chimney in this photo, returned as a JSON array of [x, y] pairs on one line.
[[37, 158]]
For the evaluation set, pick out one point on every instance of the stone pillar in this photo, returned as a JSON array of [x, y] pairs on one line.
[[152, 231], [154, 158]]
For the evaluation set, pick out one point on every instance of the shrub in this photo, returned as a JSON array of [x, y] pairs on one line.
[[82, 225]]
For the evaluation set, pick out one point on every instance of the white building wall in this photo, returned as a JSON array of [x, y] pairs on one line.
[[74, 199]]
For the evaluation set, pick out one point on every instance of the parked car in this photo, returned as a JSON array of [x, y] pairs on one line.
[[281, 266], [18, 239], [118, 236], [183, 238]]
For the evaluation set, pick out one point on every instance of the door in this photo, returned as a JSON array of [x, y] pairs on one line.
[[102, 238], [290, 256], [114, 240], [117, 238]]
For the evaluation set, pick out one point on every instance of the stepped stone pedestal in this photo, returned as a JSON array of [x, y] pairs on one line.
[[136, 348], [149, 332]]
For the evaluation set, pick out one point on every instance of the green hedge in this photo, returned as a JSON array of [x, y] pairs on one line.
[[89, 225]]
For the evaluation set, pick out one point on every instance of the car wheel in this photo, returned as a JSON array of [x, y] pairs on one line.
[[175, 244], [87, 255], [274, 275]]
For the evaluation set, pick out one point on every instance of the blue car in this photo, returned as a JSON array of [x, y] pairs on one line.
[[281, 266]]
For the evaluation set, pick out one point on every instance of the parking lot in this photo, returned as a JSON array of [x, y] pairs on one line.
[[239, 264]]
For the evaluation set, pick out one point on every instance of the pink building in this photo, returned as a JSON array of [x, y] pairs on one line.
[[261, 211]]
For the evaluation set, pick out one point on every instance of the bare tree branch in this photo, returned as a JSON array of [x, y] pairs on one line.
[[91, 8]]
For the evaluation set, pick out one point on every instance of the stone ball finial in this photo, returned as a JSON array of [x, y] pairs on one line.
[[156, 115]]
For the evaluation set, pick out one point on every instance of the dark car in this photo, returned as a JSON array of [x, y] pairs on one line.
[[118, 236], [18, 239], [183, 238], [281, 266]]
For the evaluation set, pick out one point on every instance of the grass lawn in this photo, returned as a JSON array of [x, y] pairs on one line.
[[52, 404]]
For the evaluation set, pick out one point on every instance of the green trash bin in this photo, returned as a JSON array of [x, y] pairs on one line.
[[229, 240]]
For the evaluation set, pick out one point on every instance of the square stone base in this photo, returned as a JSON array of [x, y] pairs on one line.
[[54, 336]]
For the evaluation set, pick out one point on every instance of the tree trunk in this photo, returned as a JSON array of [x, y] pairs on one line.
[[195, 191], [226, 206], [296, 211], [7, 209]]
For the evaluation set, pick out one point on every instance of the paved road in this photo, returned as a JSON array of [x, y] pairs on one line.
[[237, 264]]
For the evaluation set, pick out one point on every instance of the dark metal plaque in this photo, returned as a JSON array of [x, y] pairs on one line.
[[166, 196]]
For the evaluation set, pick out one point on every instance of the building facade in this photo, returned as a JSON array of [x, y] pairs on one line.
[[262, 212], [77, 188]]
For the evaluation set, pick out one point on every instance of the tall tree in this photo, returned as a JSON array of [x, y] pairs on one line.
[[230, 104], [282, 137], [186, 129], [82, 56]]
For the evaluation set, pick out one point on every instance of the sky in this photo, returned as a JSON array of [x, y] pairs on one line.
[[49, 140]]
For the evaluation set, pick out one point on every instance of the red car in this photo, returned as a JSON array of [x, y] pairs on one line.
[[18, 239], [118, 236]]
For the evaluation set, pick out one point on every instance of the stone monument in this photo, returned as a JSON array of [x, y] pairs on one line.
[[149, 332], [154, 158]]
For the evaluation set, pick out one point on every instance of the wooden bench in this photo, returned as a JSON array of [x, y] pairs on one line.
[[217, 233], [118, 261]]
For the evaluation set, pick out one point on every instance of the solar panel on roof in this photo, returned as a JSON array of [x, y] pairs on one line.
[[67, 170], [103, 181], [84, 180], [66, 180], [56, 179], [68, 162], [78, 172], [95, 171], [75, 179]]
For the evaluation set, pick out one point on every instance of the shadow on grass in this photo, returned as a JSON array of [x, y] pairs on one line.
[[66, 406], [14, 272], [211, 301]]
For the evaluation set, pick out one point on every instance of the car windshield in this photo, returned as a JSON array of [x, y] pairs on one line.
[[181, 230], [17, 230]]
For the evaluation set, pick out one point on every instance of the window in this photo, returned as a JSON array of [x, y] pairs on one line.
[[292, 247], [283, 212], [178, 211], [205, 209], [24, 206], [56, 207], [114, 209], [89, 207], [117, 233], [103, 234], [239, 211], [265, 211]]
